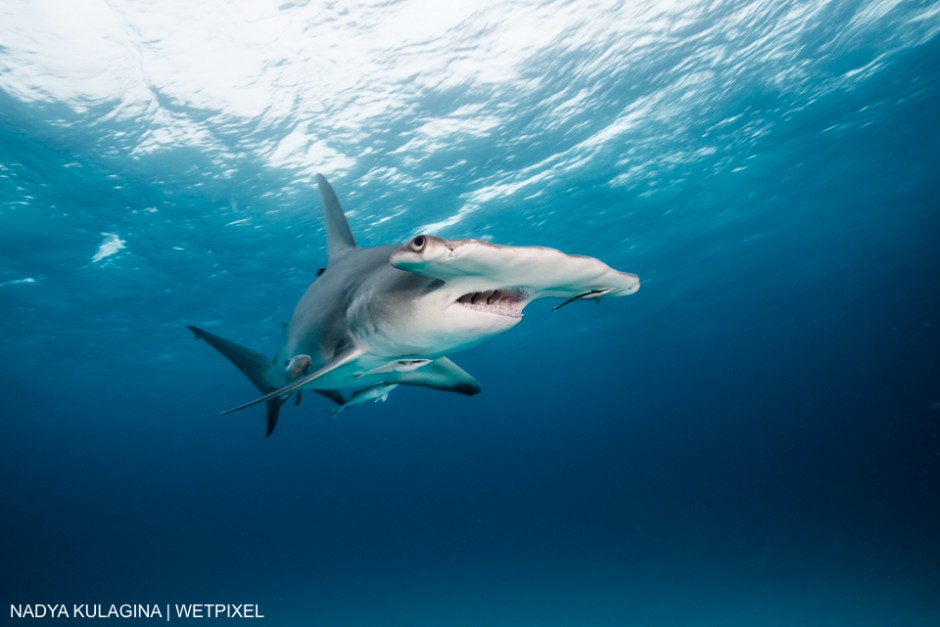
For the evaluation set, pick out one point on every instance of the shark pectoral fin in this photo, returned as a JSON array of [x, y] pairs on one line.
[[342, 360], [538, 271], [440, 374]]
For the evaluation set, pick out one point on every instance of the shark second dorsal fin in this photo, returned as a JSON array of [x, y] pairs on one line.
[[339, 238]]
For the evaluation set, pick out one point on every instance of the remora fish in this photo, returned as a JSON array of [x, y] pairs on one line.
[[424, 299], [378, 393], [401, 365]]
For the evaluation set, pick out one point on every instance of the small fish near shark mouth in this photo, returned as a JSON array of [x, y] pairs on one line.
[[376, 318]]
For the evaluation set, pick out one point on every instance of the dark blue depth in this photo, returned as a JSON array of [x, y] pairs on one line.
[[752, 439]]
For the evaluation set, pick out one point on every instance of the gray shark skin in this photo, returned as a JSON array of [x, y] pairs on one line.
[[373, 309]]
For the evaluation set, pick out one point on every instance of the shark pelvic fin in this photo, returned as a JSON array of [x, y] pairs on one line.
[[339, 238], [281, 393]]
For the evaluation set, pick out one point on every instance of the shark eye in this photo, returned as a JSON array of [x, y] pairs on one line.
[[321, 271], [418, 243]]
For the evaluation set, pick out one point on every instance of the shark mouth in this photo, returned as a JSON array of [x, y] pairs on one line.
[[502, 302]]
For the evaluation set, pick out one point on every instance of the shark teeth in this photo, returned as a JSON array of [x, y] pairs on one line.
[[503, 302]]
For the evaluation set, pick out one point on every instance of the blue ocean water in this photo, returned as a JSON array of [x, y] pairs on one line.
[[752, 439]]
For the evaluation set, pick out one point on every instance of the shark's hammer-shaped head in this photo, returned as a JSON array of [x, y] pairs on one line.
[[470, 284], [426, 309], [486, 286]]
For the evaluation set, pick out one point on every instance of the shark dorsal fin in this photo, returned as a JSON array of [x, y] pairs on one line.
[[339, 238]]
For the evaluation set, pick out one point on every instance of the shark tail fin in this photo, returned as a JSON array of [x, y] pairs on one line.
[[254, 365], [339, 238]]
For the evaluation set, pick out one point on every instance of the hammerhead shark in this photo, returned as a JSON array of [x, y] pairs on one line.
[[387, 315]]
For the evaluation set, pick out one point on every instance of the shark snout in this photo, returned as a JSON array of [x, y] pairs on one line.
[[630, 284]]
